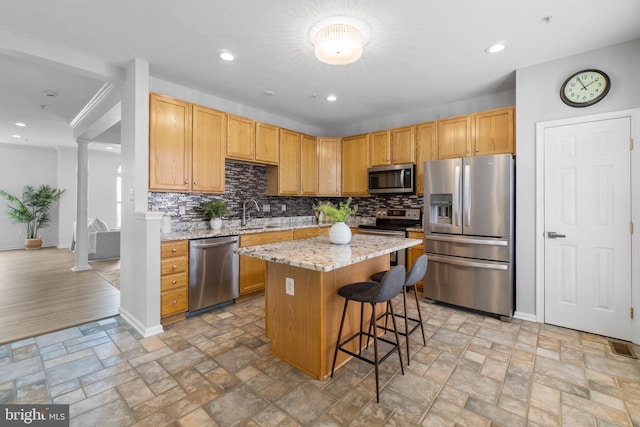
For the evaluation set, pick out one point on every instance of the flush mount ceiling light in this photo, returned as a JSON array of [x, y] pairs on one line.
[[339, 40], [331, 98], [20, 124]]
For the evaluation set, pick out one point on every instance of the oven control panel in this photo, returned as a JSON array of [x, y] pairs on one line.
[[407, 214]]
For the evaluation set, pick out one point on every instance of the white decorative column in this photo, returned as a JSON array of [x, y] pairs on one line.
[[82, 235]]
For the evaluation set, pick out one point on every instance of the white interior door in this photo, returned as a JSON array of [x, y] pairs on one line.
[[587, 204]]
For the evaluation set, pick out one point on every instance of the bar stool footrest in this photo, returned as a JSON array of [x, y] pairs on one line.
[[369, 337]]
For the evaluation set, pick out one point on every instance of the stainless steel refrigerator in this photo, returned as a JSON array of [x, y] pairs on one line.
[[469, 232]]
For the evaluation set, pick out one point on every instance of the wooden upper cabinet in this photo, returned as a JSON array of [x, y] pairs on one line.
[[186, 146], [425, 151], [289, 164], [494, 132], [355, 161], [209, 136], [380, 148], [328, 160], [308, 166], [169, 144], [252, 141], [266, 143], [240, 138], [454, 137], [403, 145]]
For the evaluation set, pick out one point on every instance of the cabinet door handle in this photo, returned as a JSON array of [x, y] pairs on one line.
[[174, 282], [186, 181], [174, 266], [174, 250], [195, 182], [175, 302]]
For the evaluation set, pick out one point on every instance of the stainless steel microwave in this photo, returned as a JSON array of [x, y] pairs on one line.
[[391, 179]]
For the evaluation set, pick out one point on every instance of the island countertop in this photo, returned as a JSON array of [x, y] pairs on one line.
[[320, 254]]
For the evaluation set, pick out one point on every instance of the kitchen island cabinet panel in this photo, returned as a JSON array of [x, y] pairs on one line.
[[303, 327]]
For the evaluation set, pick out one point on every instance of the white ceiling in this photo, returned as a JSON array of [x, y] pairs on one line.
[[421, 53]]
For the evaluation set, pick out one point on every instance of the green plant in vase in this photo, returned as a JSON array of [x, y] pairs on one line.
[[32, 210], [340, 233], [214, 210]]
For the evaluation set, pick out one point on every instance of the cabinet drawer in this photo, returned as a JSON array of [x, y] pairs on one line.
[[323, 231], [174, 281], [173, 265], [173, 302], [305, 233], [174, 248], [264, 238]]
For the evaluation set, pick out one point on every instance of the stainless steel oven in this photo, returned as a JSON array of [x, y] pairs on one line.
[[394, 223]]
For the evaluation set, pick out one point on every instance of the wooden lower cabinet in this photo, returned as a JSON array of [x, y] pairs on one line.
[[306, 233], [252, 270], [174, 280], [414, 253]]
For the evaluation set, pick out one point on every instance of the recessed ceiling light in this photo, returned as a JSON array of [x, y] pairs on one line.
[[20, 124], [495, 48], [50, 93], [331, 98], [109, 147], [269, 92], [227, 56], [16, 136]]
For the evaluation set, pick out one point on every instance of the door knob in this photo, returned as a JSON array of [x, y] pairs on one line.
[[554, 235]]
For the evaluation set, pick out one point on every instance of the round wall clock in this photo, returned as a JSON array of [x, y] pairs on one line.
[[585, 88]]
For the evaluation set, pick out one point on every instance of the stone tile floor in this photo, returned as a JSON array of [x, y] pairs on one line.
[[215, 370]]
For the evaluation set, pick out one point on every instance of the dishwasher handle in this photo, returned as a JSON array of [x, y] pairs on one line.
[[212, 243]]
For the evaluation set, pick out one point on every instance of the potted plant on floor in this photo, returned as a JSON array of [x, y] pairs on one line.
[[214, 210], [32, 211], [339, 233]]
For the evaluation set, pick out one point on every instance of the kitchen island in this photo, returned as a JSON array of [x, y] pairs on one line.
[[302, 307]]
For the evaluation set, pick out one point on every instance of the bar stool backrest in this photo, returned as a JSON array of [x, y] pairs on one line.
[[390, 285], [417, 271]]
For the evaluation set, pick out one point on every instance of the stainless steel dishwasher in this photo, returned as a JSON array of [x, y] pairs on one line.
[[213, 273]]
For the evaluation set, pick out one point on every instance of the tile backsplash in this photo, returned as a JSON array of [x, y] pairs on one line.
[[248, 181]]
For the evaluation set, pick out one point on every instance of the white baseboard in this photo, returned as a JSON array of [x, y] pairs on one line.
[[525, 316], [144, 331]]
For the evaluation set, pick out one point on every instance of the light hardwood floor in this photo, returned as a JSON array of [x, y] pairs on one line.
[[39, 293]]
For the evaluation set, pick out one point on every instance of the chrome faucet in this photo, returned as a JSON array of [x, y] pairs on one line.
[[244, 211]]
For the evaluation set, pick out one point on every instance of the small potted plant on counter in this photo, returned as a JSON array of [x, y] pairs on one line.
[[339, 233], [214, 210], [32, 211]]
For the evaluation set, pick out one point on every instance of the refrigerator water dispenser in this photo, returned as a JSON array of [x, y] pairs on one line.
[[441, 208]]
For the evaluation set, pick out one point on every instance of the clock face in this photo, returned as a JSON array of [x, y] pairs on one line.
[[585, 88]]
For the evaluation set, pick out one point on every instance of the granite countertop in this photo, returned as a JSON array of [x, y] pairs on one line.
[[204, 233], [320, 254]]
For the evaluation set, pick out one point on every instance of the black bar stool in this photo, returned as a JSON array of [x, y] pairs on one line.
[[417, 272], [372, 293]]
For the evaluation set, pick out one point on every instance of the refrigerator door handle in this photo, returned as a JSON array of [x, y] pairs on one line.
[[467, 195], [457, 261], [470, 241], [456, 197]]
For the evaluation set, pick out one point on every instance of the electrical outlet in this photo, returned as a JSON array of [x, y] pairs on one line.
[[289, 286], [266, 208], [182, 210], [284, 208]]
